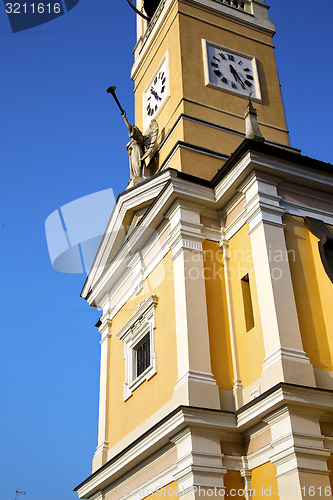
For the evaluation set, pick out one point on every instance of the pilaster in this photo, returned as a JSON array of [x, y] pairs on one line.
[[300, 457], [285, 359], [199, 464], [196, 385], [101, 453]]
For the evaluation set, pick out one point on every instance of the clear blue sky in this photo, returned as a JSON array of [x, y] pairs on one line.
[[62, 138]]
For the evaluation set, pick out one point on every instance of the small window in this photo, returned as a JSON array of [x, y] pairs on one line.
[[139, 346], [247, 302], [142, 354]]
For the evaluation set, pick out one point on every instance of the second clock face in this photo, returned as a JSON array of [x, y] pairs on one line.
[[156, 93], [232, 71]]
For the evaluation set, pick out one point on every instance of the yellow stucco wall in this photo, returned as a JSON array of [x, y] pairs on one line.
[[313, 293], [264, 482], [250, 343], [218, 325], [151, 395], [196, 25], [234, 485]]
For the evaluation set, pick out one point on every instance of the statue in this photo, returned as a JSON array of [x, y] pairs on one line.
[[140, 146]]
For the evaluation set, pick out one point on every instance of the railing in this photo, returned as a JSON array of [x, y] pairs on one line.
[[238, 4]]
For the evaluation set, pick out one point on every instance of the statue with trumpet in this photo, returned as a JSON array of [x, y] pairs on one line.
[[140, 146]]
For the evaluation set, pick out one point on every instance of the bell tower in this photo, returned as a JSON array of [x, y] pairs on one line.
[[196, 65]]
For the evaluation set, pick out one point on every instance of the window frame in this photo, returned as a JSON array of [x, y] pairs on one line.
[[140, 325]]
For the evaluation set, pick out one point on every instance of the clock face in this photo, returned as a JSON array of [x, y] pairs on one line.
[[156, 93], [231, 71]]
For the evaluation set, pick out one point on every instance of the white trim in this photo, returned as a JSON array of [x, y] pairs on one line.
[[154, 484], [141, 324], [285, 353], [195, 376], [298, 210]]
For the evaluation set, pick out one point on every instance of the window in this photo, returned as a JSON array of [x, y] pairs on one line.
[[139, 354], [142, 355], [247, 301]]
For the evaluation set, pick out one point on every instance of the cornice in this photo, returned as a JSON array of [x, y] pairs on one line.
[[270, 407], [159, 192]]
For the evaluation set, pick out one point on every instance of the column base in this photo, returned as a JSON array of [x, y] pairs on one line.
[[197, 389], [101, 456], [287, 365]]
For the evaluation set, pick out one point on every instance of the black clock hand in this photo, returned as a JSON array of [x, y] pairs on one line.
[[155, 94], [236, 76]]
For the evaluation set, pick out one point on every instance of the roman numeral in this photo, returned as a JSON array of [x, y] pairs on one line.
[[214, 65], [249, 84], [217, 72], [230, 57], [234, 86], [224, 80], [223, 56], [162, 89], [247, 69]]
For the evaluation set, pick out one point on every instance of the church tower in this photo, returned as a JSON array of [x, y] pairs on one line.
[[196, 64], [215, 277]]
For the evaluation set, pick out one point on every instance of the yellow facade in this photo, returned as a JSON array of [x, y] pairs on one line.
[[219, 333], [313, 293], [124, 416], [234, 486], [264, 482], [250, 343]]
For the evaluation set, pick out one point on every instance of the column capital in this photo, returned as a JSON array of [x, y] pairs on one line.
[[186, 228], [262, 200]]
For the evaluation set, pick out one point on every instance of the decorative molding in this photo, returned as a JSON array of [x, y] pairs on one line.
[[141, 324], [186, 231], [154, 484], [97, 496], [285, 353], [262, 200], [200, 461], [195, 376]]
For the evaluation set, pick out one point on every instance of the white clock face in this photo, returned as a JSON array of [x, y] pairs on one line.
[[156, 93], [231, 71]]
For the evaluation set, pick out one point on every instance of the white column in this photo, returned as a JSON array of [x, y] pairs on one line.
[[196, 385], [285, 359], [299, 453], [200, 469], [101, 454]]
